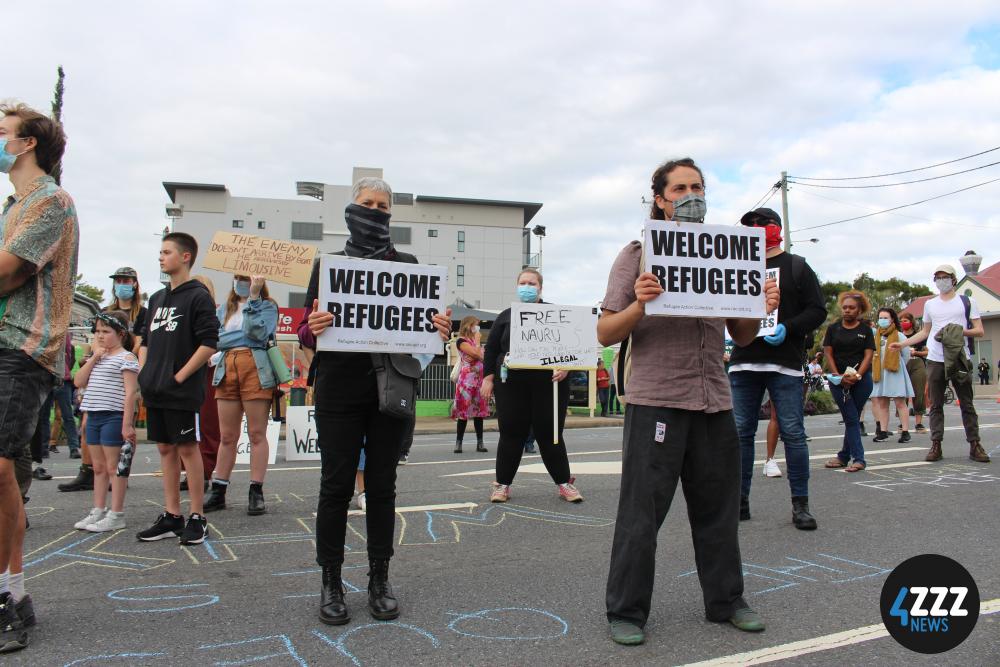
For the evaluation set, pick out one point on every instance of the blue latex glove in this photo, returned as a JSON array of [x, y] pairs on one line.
[[834, 379], [778, 337]]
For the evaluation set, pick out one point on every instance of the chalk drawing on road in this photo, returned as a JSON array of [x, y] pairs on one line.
[[313, 571], [340, 644], [444, 526], [104, 658], [947, 478], [823, 569], [285, 641], [505, 622], [221, 548], [578, 468], [203, 599], [77, 548]]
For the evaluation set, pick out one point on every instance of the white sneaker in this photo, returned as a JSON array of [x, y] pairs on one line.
[[362, 502], [771, 469], [111, 521], [96, 514]]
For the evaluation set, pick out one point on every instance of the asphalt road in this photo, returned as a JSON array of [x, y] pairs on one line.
[[519, 584]]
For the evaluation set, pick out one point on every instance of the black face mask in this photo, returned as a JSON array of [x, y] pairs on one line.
[[369, 228]]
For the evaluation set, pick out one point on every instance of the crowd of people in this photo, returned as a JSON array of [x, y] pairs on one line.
[[203, 368]]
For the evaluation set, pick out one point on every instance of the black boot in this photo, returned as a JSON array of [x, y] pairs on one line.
[[255, 505], [216, 498], [801, 517], [458, 446], [84, 480], [480, 447], [744, 508], [381, 603], [332, 608]]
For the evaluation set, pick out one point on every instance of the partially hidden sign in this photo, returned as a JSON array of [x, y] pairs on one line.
[[281, 261], [301, 439], [243, 444], [770, 321], [381, 306], [706, 270], [550, 336], [289, 319]]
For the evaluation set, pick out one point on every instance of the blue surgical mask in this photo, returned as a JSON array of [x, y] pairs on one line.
[[884, 322], [690, 208], [527, 293], [7, 160], [242, 288], [123, 291]]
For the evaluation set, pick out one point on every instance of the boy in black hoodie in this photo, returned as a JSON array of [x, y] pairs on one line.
[[181, 334]]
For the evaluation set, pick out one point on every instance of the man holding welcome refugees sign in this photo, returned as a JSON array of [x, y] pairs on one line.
[[371, 310], [668, 302]]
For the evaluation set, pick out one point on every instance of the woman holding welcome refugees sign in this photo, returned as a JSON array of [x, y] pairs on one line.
[[348, 418]]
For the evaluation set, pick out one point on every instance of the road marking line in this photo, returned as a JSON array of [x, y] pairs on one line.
[[816, 644], [870, 452], [841, 435], [422, 508], [886, 466]]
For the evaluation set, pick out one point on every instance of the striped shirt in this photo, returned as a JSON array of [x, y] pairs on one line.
[[39, 226], [106, 388]]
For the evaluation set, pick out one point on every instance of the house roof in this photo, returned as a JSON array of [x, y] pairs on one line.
[[916, 307], [530, 208]]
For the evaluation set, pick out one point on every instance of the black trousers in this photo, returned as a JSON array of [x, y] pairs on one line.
[[524, 405], [346, 421], [702, 450]]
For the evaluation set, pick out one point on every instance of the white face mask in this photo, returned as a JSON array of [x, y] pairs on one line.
[[944, 285], [475, 329]]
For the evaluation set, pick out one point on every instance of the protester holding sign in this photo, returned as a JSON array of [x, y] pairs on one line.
[[469, 400], [678, 426], [773, 364], [524, 404], [348, 417], [244, 382]]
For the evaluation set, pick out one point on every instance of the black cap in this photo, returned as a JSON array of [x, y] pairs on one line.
[[750, 219]]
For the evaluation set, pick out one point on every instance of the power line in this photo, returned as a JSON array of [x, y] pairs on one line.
[[896, 173], [902, 215], [896, 208], [767, 196], [889, 185]]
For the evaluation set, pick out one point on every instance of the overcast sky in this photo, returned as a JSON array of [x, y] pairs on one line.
[[566, 103]]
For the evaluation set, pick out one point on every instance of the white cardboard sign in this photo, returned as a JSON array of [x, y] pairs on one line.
[[769, 322], [550, 336], [243, 444], [705, 270], [381, 306], [300, 434]]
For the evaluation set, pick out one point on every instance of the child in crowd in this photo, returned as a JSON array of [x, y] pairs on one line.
[[110, 376], [181, 333]]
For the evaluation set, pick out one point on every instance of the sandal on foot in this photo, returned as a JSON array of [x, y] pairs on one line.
[[855, 467], [835, 463]]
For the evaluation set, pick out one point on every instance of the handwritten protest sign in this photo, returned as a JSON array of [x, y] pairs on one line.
[[281, 261], [301, 442], [769, 322], [243, 444], [381, 306], [705, 270], [550, 336]]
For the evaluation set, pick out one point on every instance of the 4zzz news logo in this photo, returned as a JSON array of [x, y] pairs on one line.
[[930, 604]]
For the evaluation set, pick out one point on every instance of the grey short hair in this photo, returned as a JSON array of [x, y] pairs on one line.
[[371, 183]]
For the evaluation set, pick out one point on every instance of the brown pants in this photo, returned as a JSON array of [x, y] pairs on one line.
[[937, 383], [918, 376]]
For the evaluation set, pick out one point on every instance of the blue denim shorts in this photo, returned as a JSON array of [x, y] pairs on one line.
[[105, 428]]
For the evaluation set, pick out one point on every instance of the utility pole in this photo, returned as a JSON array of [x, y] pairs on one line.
[[784, 211]]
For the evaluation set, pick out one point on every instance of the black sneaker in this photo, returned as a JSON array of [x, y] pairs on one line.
[[25, 611], [196, 530], [166, 525], [403, 459], [41, 473], [13, 636], [920, 428], [905, 437]]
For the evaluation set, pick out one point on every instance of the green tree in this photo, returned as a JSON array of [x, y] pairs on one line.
[[88, 290], [57, 105]]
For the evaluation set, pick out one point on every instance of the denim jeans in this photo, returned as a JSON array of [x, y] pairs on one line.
[[851, 401], [786, 397], [63, 395]]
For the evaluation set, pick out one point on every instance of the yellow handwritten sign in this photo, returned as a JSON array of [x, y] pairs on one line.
[[278, 260]]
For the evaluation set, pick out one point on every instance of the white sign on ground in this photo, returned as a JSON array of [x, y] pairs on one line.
[[705, 270], [243, 444], [381, 306], [301, 442], [550, 336]]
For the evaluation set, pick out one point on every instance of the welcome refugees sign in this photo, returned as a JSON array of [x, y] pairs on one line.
[[705, 270], [381, 306]]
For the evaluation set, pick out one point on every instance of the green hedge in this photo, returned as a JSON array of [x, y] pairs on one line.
[[820, 403]]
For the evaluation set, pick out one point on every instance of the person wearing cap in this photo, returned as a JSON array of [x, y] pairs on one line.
[[940, 313], [127, 297], [772, 362]]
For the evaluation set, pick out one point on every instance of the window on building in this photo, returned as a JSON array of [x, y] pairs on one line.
[[261, 224], [432, 233], [400, 235], [402, 198], [307, 231], [460, 273], [237, 224], [461, 241], [296, 299]]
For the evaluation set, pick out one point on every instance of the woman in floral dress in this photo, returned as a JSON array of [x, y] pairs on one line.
[[469, 401]]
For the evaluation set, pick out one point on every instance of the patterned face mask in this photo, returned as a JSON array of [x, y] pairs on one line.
[[690, 208]]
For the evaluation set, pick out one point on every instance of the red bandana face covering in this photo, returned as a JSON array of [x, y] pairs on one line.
[[772, 236]]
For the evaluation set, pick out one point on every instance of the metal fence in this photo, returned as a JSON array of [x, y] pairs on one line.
[[435, 383]]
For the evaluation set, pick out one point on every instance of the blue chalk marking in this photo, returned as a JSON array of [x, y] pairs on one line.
[[212, 599], [485, 518], [484, 614], [289, 650], [341, 647], [430, 527], [80, 661], [211, 550], [287, 574], [59, 552]]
